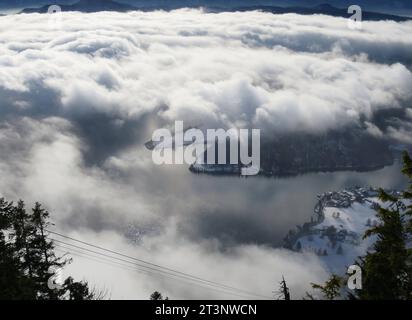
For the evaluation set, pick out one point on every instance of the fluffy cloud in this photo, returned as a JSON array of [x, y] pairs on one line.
[[231, 69], [77, 103]]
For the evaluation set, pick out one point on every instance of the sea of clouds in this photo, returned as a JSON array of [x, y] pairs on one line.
[[77, 103]]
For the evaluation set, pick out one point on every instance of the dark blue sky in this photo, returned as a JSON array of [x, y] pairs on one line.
[[381, 5]]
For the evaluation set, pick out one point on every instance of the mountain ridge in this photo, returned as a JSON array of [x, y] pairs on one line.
[[89, 6]]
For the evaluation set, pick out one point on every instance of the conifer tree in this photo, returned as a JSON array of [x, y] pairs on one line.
[[157, 296], [27, 256], [387, 271], [76, 290], [22, 233], [44, 258], [331, 289], [14, 284], [284, 291]]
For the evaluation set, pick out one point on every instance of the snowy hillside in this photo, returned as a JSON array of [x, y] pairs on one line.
[[336, 230]]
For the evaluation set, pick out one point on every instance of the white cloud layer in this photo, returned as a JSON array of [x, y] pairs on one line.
[[102, 83], [284, 72]]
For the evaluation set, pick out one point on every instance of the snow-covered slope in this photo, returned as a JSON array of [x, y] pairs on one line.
[[336, 231]]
